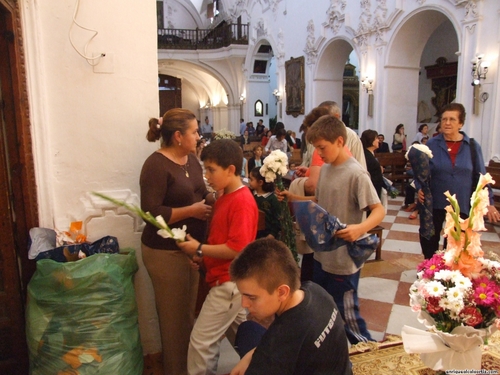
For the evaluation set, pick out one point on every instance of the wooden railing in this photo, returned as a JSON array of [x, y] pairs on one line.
[[221, 36]]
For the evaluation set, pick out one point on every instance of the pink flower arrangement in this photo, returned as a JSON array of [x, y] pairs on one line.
[[458, 286]]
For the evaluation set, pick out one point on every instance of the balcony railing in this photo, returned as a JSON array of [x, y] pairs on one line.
[[221, 36]]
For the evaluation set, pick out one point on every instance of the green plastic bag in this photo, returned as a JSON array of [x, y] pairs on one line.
[[82, 317]]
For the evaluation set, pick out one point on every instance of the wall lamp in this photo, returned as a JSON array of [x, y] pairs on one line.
[[277, 95], [368, 85], [242, 99], [479, 69]]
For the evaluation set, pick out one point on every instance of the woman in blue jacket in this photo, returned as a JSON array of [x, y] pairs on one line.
[[455, 166]]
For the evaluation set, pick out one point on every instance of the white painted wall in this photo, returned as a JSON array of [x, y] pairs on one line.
[[89, 128]]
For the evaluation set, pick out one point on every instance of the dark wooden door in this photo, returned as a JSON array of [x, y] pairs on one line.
[[170, 93], [17, 194]]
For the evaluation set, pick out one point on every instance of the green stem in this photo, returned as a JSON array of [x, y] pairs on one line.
[[287, 232], [146, 216]]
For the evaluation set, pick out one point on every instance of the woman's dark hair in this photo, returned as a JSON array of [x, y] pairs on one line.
[[315, 114], [268, 187], [455, 107], [367, 137], [399, 127], [176, 119], [421, 127], [280, 133], [279, 125]]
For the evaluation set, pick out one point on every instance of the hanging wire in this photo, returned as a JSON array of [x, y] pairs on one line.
[[90, 59]]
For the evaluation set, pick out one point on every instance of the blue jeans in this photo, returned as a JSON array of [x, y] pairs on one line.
[[344, 290]]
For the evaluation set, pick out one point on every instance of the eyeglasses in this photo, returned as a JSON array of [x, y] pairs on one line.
[[450, 119]]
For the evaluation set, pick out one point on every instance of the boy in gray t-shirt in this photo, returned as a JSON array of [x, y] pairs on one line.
[[345, 191]]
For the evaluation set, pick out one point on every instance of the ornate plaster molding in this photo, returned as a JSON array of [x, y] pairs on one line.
[[169, 15], [335, 15], [311, 51], [260, 30], [280, 49]]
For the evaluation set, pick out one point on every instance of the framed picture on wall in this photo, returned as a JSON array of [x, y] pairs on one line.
[[295, 86]]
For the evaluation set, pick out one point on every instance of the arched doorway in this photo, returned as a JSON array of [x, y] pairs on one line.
[[407, 85], [336, 79]]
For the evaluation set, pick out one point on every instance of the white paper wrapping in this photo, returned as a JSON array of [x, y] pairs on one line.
[[459, 350]]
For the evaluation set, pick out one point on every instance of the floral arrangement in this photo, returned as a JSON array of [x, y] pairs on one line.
[[457, 292], [274, 167], [458, 287], [178, 234], [224, 134]]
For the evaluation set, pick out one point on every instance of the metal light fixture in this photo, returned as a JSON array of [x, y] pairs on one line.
[[368, 85], [479, 69], [277, 95]]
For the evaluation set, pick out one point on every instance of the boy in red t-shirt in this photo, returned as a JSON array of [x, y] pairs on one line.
[[233, 226]]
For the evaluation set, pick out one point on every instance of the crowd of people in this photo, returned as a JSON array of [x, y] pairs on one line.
[[252, 272]]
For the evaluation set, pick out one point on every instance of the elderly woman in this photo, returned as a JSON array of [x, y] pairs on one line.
[[172, 186], [455, 167]]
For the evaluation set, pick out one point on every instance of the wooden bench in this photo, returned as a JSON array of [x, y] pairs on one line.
[[493, 168], [378, 231], [394, 164]]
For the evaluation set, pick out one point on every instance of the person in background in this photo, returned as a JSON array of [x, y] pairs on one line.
[[438, 130], [259, 130], [243, 126], [370, 141], [245, 139], [422, 132], [382, 146], [256, 160], [232, 227], [455, 166], [399, 139], [207, 128], [290, 139], [277, 142], [266, 200], [250, 129], [172, 186], [306, 336], [266, 137]]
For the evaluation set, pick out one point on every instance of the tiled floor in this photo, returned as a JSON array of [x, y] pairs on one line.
[[384, 284]]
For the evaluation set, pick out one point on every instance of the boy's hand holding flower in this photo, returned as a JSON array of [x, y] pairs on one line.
[[189, 246]]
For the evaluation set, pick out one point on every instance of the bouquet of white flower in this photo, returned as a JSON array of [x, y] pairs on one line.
[[224, 134], [275, 166]]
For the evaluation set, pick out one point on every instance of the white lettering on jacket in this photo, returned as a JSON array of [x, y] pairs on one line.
[[327, 329]]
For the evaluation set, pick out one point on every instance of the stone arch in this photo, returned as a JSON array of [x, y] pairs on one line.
[[328, 77], [402, 67], [261, 86]]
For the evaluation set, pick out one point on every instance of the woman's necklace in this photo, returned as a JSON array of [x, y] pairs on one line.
[[173, 159], [452, 145]]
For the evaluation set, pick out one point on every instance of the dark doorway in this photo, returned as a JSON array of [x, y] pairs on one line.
[[170, 92], [18, 208]]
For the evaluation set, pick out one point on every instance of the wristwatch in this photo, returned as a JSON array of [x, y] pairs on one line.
[[199, 252]]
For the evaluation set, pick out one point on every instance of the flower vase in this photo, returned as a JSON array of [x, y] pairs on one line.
[[461, 349], [287, 234]]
